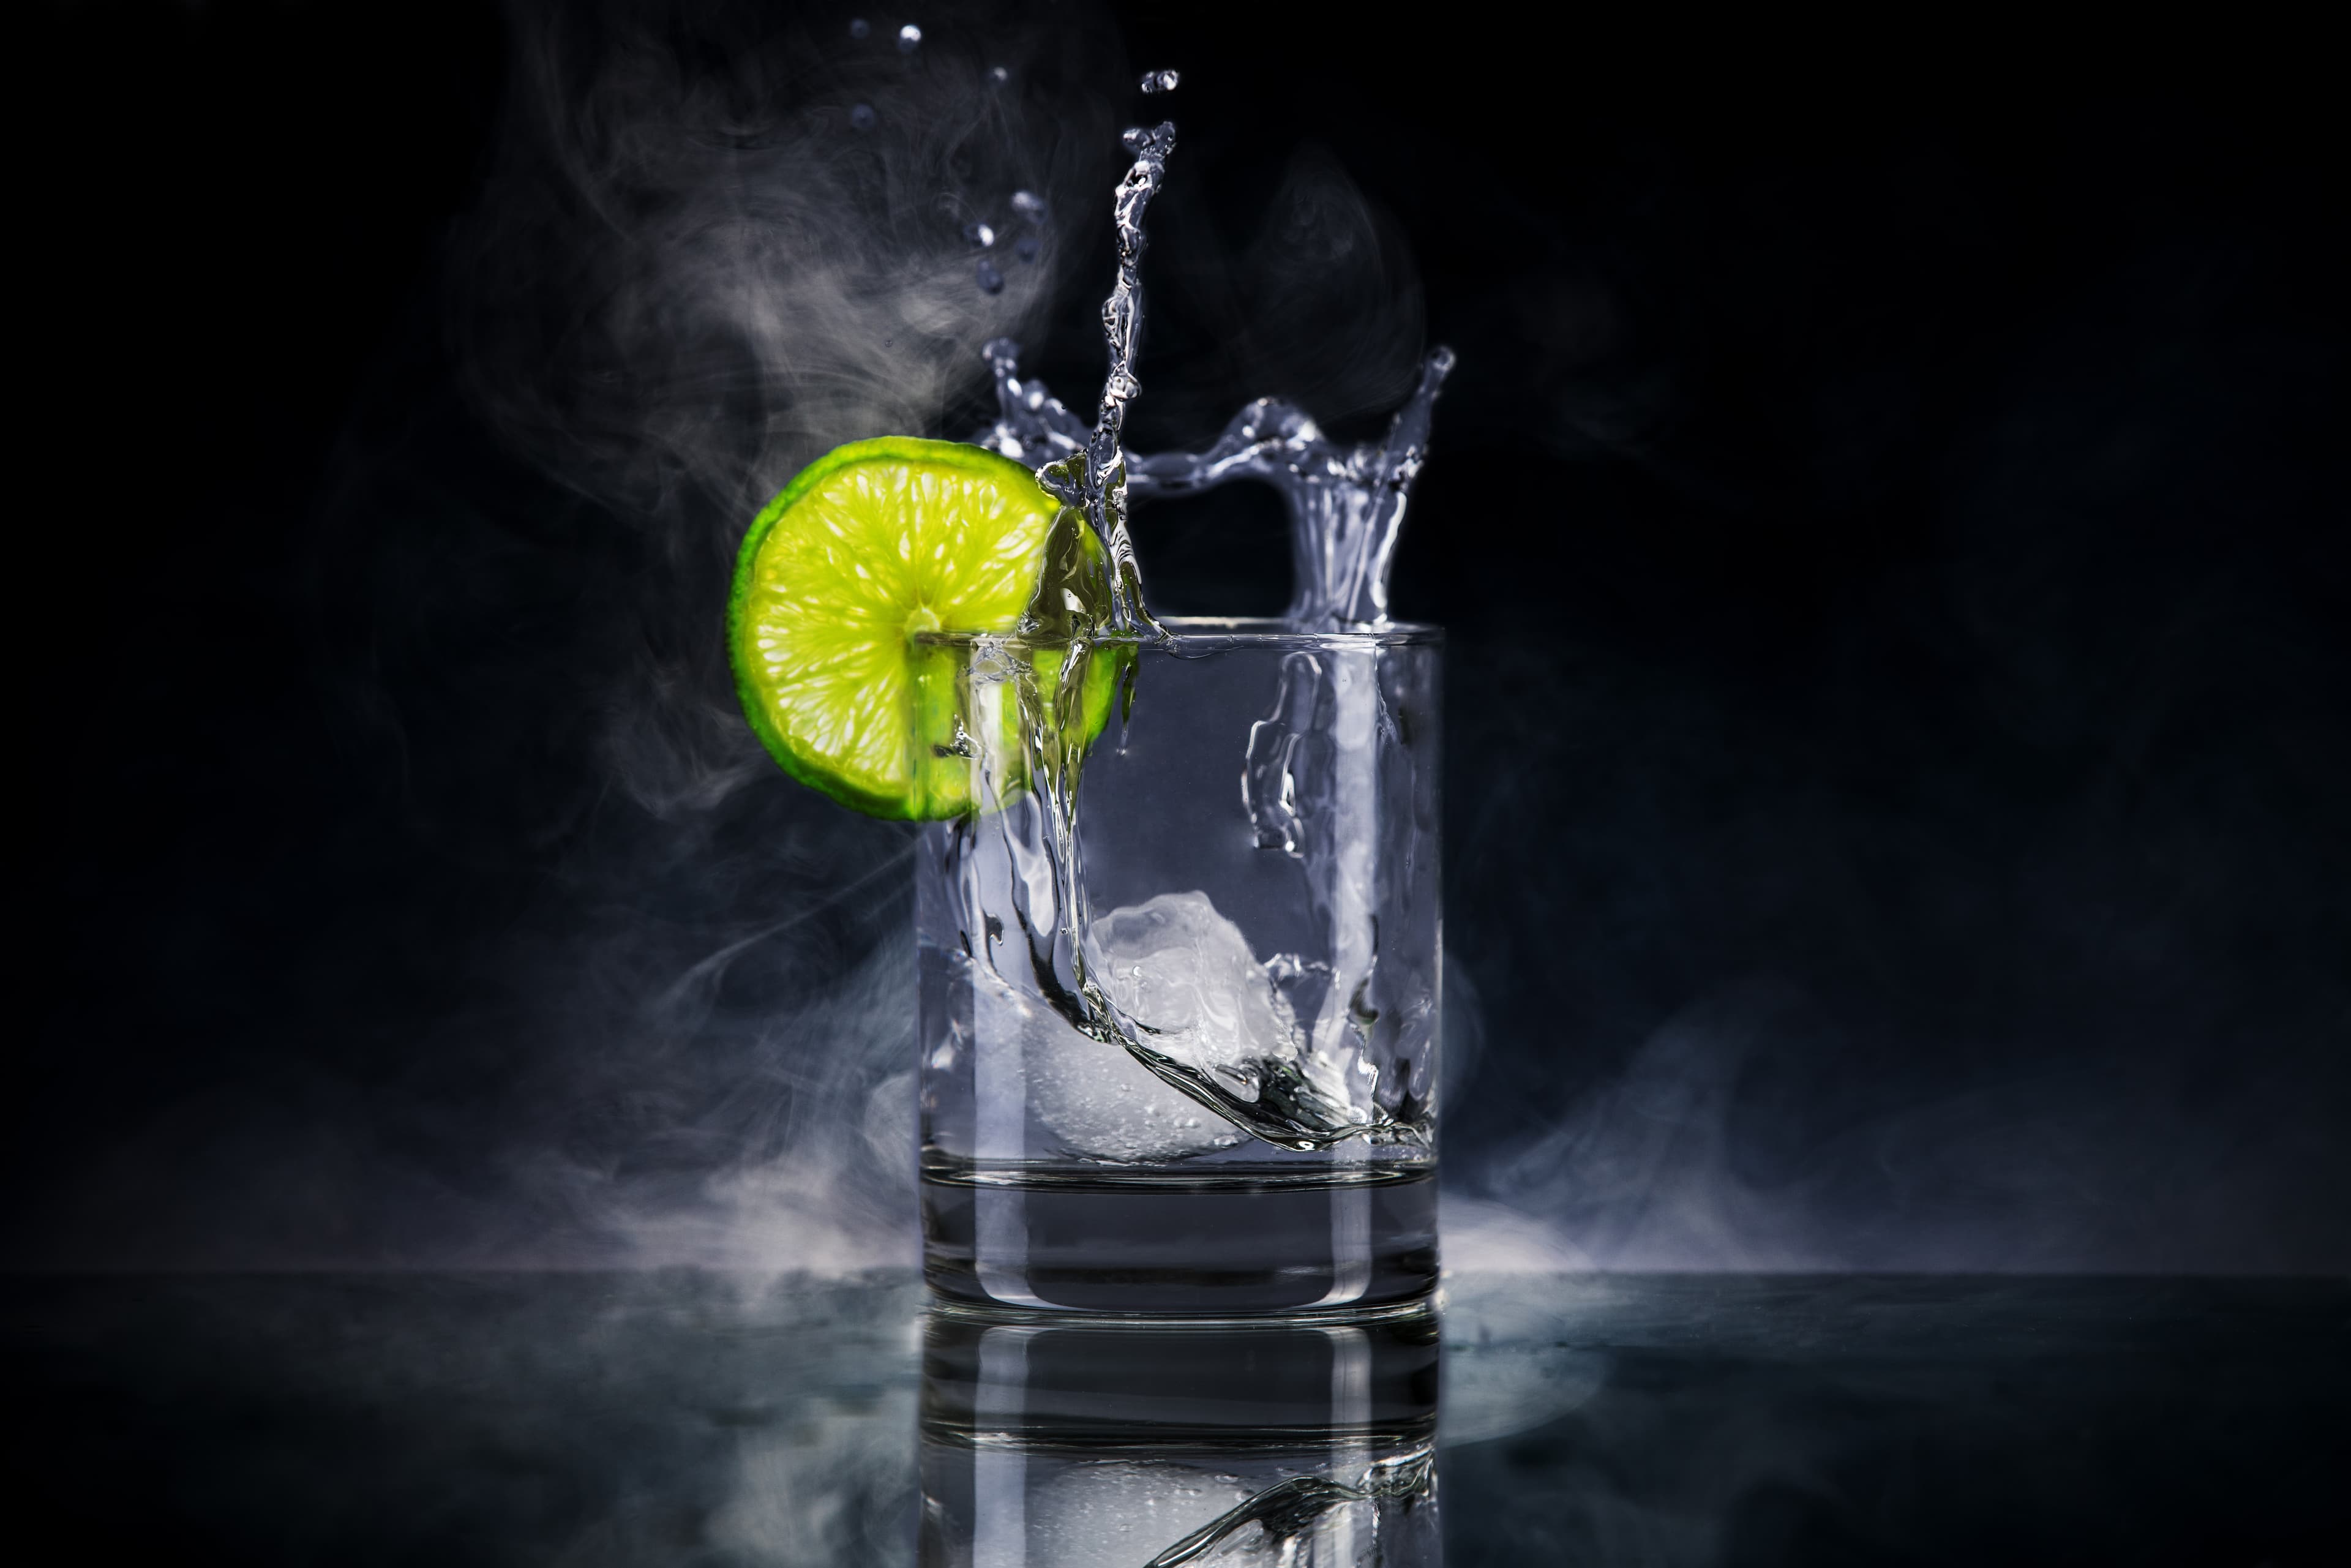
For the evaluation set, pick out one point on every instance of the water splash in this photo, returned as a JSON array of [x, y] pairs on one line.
[[1347, 505], [1094, 481], [1310, 778], [1032, 425], [1088, 609]]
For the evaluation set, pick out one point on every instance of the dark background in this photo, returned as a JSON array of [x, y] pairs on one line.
[[1889, 520]]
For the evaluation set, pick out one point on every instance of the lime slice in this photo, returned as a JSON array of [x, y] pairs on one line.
[[872, 545]]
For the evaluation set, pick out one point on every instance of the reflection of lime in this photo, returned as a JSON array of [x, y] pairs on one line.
[[871, 544]]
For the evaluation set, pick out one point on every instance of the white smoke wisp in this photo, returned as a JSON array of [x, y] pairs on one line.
[[1681, 1162], [811, 1173], [716, 244], [717, 240], [1333, 294]]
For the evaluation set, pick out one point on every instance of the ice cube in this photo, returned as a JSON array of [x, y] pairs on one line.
[[1100, 1101], [1178, 966], [1094, 1098]]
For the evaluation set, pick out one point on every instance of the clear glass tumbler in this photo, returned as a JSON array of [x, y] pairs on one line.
[[1064, 1444], [1179, 997]]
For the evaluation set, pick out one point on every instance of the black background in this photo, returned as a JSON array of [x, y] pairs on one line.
[[1889, 520]]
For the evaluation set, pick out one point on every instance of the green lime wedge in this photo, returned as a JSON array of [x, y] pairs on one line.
[[868, 547]]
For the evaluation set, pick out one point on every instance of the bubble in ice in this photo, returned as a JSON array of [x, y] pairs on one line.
[[990, 280], [1102, 1104], [979, 235], [1096, 1099], [860, 28], [1124, 1511], [1159, 81], [909, 38], [861, 117], [1182, 970], [1029, 206], [1025, 247]]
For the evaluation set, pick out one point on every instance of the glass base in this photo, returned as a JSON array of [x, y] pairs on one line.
[[1231, 1239]]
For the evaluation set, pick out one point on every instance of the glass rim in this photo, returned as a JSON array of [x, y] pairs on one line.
[[1214, 633]]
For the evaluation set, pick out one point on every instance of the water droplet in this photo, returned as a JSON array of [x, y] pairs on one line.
[[909, 38], [990, 280], [998, 76], [861, 117], [979, 235], [1029, 206], [860, 28], [1159, 81], [1025, 247]]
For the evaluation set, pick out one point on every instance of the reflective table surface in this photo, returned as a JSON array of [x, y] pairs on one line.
[[716, 1419]]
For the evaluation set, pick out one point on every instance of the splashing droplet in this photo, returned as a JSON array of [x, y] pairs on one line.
[[979, 235], [860, 28], [1025, 247], [1094, 481], [1029, 206], [998, 76], [909, 38], [861, 117], [1159, 81], [990, 280]]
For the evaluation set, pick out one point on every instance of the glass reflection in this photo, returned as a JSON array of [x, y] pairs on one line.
[[1150, 1445]]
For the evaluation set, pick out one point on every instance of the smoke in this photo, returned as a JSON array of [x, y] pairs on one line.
[[1331, 284], [1269, 274], [714, 242], [795, 1155], [714, 245], [717, 242]]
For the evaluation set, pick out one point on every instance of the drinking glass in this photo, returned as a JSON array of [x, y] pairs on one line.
[[1179, 994], [1074, 1444]]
